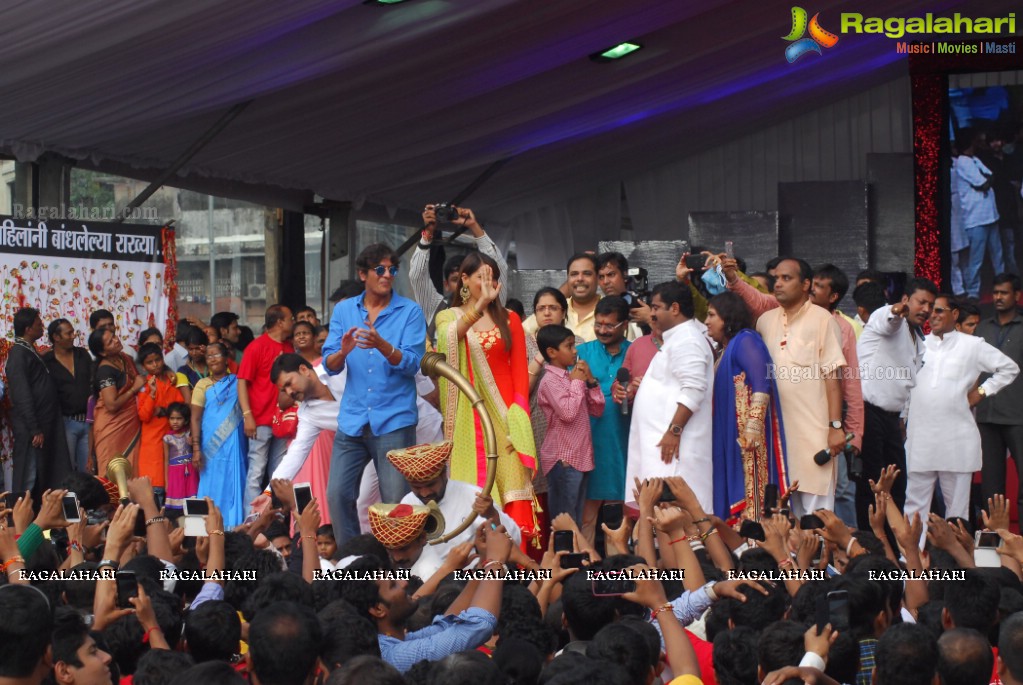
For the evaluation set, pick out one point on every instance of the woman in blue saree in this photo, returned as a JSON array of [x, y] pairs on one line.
[[749, 440], [219, 445]]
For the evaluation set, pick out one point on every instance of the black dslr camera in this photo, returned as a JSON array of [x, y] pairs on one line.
[[445, 212], [638, 283]]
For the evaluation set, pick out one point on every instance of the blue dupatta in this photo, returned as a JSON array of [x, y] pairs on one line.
[[744, 370]]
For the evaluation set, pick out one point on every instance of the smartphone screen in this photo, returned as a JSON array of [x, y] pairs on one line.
[[127, 587], [197, 507], [564, 541], [70, 506], [696, 261], [613, 515], [988, 538], [770, 498], [303, 496], [838, 610], [752, 530], [140, 524], [810, 522], [574, 560], [609, 587], [666, 494], [11, 498]]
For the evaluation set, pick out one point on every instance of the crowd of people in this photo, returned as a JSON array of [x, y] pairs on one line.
[[809, 474]]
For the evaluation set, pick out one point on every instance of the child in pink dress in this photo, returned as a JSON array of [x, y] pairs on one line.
[[182, 477]]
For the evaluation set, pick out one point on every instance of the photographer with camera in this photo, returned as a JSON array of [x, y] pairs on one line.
[[423, 290], [616, 278]]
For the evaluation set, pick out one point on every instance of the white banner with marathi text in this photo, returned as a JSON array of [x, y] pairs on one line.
[[69, 269]]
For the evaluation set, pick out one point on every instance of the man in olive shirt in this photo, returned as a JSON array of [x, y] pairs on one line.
[[1000, 418]]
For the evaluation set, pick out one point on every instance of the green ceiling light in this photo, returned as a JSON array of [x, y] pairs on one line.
[[616, 52]]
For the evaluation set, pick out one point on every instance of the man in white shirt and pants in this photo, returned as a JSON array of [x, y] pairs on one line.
[[891, 352], [943, 441], [672, 424]]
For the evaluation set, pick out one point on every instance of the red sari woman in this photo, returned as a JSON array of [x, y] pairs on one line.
[[485, 342]]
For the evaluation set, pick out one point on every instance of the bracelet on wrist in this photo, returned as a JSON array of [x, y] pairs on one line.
[[155, 519], [667, 606], [681, 539], [848, 548], [217, 532], [145, 638], [108, 562], [6, 568]]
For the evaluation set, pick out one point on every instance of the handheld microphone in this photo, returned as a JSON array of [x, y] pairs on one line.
[[623, 377]]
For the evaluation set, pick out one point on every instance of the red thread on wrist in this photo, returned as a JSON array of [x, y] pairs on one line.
[[145, 638]]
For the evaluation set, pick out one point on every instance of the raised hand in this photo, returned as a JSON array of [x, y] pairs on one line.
[[999, 516], [348, 340], [887, 479], [489, 290]]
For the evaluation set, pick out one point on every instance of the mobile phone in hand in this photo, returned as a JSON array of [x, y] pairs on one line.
[[574, 560], [770, 498], [612, 587], [810, 522], [752, 530], [127, 587], [303, 496], [613, 515], [666, 494], [69, 506], [564, 541]]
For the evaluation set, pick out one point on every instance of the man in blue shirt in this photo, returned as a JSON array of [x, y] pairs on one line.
[[469, 621], [605, 356], [379, 339]]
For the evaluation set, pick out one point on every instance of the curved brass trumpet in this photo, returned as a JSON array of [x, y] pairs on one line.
[[119, 471], [435, 523], [435, 365]]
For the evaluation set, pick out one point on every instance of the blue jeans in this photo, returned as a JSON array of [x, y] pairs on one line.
[[77, 434], [265, 454], [566, 491], [845, 493], [347, 462], [982, 238]]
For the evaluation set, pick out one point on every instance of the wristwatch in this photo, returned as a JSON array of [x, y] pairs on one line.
[[837, 425], [981, 391], [675, 430]]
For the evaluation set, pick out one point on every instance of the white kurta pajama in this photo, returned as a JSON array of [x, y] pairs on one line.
[[681, 373], [455, 506], [942, 439]]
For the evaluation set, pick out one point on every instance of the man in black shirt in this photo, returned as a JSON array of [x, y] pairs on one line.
[[71, 367], [41, 457]]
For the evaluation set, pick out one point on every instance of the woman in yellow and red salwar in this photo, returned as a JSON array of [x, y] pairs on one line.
[[485, 342]]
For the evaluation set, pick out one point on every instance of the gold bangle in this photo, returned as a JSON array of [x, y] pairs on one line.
[[247, 413], [217, 532]]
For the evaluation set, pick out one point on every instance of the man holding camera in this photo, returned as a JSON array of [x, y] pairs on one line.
[[423, 290], [614, 280], [943, 441]]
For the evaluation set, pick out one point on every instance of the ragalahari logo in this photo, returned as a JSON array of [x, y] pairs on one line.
[[817, 39]]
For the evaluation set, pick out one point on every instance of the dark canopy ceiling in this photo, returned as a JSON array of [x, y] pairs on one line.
[[408, 103]]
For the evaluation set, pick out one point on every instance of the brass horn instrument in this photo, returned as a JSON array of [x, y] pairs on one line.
[[435, 523], [119, 471], [435, 365]]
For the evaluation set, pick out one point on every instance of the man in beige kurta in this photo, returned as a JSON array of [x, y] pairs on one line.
[[804, 342]]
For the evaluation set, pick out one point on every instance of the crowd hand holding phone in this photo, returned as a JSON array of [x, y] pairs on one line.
[[999, 516], [143, 608], [818, 639], [285, 491], [647, 494], [685, 496], [809, 546], [776, 533], [1012, 545], [619, 536], [51, 511], [309, 521], [649, 591], [834, 531]]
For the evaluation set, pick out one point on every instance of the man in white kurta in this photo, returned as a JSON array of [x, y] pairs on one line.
[[942, 439], [671, 428]]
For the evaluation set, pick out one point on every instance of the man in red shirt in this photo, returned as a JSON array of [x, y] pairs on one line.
[[257, 396]]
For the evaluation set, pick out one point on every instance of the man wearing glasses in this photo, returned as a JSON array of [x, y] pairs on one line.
[[605, 355], [380, 338]]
